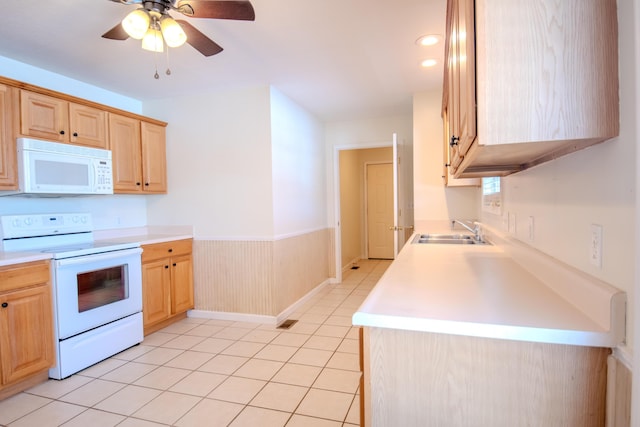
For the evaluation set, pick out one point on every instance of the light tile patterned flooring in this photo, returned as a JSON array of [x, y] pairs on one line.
[[200, 372]]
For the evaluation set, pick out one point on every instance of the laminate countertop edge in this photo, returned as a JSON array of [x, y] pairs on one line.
[[490, 291], [140, 235]]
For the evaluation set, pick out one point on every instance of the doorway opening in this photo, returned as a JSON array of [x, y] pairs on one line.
[[353, 236], [350, 236]]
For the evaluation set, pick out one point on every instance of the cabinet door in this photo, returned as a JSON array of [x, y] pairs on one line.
[[156, 282], [43, 116], [88, 126], [453, 79], [154, 167], [181, 284], [466, 75], [26, 332], [124, 142], [8, 158]]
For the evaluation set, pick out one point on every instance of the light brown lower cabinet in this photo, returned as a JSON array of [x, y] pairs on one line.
[[416, 379], [26, 326], [167, 283]]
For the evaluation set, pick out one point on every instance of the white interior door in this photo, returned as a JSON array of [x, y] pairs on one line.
[[380, 211], [398, 233], [403, 191]]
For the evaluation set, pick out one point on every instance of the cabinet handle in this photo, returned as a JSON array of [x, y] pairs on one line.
[[61, 132], [166, 266], [146, 184], [446, 165], [454, 141], [137, 183], [75, 134], [5, 304], [174, 264], [170, 250]]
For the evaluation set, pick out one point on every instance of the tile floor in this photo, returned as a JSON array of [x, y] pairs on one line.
[[200, 372]]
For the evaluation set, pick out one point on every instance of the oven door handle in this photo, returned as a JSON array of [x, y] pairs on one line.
[[98, 257]]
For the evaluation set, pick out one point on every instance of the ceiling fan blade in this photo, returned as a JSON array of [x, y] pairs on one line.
[[199, 41], [116, 33], [127, 1], [219, 9]]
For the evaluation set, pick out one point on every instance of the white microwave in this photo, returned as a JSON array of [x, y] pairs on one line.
[[52, 168]]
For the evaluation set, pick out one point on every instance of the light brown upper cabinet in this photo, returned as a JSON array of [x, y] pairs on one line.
[[139, 155], [544, 81], [458, 111], [55, 119], [8, 160]]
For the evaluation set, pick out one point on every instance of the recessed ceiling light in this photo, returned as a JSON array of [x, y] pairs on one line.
[[428, 40], [428, 63]]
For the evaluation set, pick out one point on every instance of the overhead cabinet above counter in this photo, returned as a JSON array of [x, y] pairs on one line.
[[55, 119], [138, 143], [527, 81]]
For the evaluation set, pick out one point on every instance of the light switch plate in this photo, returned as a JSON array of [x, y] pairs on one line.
[[512, 223]]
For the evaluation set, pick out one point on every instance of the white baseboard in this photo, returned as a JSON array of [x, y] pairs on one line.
[[260, 318], [235, 317]]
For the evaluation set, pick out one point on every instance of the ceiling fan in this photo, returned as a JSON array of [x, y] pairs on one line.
[[154, 26]]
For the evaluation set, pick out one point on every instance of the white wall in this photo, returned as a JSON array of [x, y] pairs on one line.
[[433, 201], [40, 77], [298, 168], [592, 186], [631, 32], [107, 211], [218, 164]]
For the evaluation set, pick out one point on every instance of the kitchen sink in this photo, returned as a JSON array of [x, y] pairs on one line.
[[448, 239]]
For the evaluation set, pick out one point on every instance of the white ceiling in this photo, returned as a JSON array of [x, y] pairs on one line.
[[339, 59]]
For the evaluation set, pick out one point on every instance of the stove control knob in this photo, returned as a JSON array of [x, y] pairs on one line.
[[28, 221], [5, 304]]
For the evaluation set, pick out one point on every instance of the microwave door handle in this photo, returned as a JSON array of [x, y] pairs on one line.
[[98, 257]]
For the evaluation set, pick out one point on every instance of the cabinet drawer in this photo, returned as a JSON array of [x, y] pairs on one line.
[[23, 275], [167, 249]]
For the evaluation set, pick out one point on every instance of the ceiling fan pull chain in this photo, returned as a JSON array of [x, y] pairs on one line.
[[155, 60], [168, 72]]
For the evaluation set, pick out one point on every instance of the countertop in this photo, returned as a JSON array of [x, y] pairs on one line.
[[140, 235], [480, 290]]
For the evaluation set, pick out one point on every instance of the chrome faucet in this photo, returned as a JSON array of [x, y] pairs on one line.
[[475, 230]]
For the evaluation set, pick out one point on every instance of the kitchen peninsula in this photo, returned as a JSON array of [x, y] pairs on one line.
[[467, 335]]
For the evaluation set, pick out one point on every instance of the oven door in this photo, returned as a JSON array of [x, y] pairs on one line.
[[94, 290]]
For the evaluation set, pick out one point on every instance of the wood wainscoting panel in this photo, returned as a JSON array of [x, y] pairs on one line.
[[619, 394], [422, 379], [300, 264], [233, 276], [260, 277]]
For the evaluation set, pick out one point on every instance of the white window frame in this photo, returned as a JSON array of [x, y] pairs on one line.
[[492, 195]]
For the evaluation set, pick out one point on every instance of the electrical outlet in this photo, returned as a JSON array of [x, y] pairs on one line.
[[595, 246], [531, 229]]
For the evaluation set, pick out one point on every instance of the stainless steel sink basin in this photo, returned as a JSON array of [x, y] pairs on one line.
[[448, 239]]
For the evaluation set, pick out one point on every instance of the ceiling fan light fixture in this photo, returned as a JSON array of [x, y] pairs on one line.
[[153, 41], [173, 33], [136, 23]]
